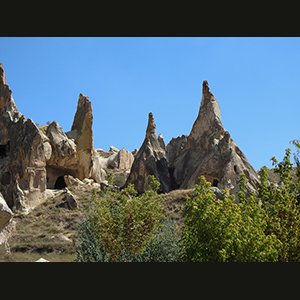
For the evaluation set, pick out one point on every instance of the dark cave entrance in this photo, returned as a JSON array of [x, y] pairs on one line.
[[2, 151], [215, 182], [60, 183]]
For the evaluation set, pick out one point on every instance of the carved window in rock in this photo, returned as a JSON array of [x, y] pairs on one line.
[[4, 149]]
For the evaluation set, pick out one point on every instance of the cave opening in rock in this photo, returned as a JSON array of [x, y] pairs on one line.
[[215, 182], [60, 183], [3, 151]]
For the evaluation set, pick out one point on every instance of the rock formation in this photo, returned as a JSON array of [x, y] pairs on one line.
[[209, 151], [115, 159], [34, 159], [5, 213], [150, 160], [22, 156], [82, 131]]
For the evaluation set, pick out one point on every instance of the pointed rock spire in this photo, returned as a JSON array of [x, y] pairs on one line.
[[210, 151], [208, 123], [6, 100], [83, 118], [151, 128], [150, 160], [2, 75]]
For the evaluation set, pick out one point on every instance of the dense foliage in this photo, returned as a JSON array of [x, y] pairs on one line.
[[126, 226], [221, 230], [262, 226]]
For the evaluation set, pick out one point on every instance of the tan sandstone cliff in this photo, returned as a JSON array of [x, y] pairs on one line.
[[210, 151], [34, 159]]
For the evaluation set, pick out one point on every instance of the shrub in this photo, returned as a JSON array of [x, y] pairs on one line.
[[119, 226], [280, 205], [221, 230], [164, 247]]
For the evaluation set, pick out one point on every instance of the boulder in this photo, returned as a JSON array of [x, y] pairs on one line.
[[5, 213], [42, 260], [5, 235], [150, 160], [209, 151], [71, 201], [124, 159], [71, 181]]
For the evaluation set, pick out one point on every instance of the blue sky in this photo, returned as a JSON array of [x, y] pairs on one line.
[[255, 80]]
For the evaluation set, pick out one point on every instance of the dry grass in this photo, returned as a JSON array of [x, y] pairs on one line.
[[275, 178], [172, 204], [47, 231]]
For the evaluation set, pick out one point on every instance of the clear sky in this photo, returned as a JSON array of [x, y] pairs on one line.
[[255, 80]]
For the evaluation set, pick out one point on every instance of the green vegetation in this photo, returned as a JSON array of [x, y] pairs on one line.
[[183, 225], [126, 227], [263, 226], [221, 230]]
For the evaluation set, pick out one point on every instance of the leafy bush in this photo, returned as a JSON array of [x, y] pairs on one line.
[[280, 205], [221, 230], [164, 247], [264, 226], [121, 226]]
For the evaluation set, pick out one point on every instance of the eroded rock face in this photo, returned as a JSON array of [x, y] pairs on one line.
[[150, 160], [22, 159], [73, 153], [116, 159], [5, 213], [33, 159], [210, 151], [82, 126]]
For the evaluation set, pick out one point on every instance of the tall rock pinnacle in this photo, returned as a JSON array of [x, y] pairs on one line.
[[151, 128], [2, 75], [150, 160], [82, 133], [6, 100], [208, 124], [210, 151]]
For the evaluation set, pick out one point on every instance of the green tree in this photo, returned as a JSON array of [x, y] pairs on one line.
[[221, 230], [119, 226], [164, 247], [282, 212]]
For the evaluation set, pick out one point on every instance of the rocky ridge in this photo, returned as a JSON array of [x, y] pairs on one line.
[[36, 161], [207, 151]]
